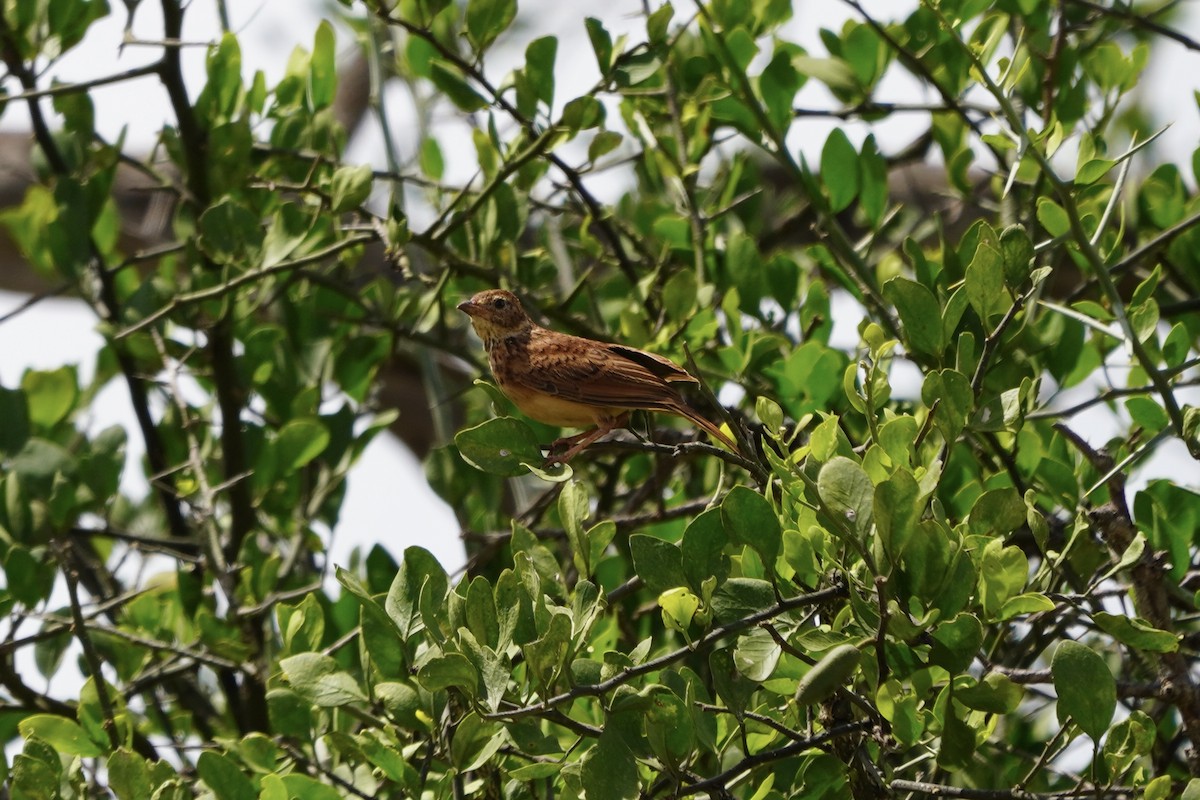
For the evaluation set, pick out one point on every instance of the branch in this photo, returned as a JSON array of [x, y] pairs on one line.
[[1150, 599], [595, 210], [213, 292], [942, 790], [682, 449], [723, 779], [107, 308], [1082, 240], [1139, 19], [80, 628], [597, 689], [85, 86]]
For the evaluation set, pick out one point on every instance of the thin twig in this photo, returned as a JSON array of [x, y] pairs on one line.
[[655, 664], [79, 627]]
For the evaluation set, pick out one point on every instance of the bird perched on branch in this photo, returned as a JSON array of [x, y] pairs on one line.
[[574, 382]]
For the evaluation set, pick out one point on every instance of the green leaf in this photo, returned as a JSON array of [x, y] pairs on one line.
[[291, 712], [502, 446], [487, 19], [1136, 632], [432, 162], [69, 20], [419, 572], [447, 78], [847, 492], [40, 460], [1147, 413], [658, 22], [703, 550], [679, 606], [919, 312], [897, 437], [1053, 218], [481, 615], [574, 505], [956, 642], [729, 682], [230, 233], [1130, 739], [287, 231], [452, 669], [218, 100], [1093, 170], [741, 597], [1002, 575], [839, 170], [896, 511], [29, 579], [351, 186], [514, 611], [602, 44], [1087, 692], [546, 654], [749, 519], [300, 441], [828, 675], [608, 771], [50, 395], [985, 277], [322, 76], [997, 512], [603, 143], [873, 172], [539, 68], [757, 654], [1018, 253], [658, 563], [958, 741], [320, 680], [475, 742], [778, 85], [223, 776], [14, 410], [536, 771], [1175, 350], [1163, 788], [669, 727], [302, 786], [995, 694], [128, 775], [583, 113], [952, 392], [833, 72], [64, 735], [1027, 603]]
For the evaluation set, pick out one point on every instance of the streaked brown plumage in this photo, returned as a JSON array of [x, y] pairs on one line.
[[574, 382]]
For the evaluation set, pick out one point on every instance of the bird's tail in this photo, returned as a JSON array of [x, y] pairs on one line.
[[709, 426]]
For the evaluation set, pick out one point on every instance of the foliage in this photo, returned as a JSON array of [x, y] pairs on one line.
[[925, 575]]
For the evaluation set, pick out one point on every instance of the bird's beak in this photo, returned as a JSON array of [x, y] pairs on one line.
[[467, 307]]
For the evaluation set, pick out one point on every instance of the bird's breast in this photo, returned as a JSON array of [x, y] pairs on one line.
[[510, 361], [553, 410]]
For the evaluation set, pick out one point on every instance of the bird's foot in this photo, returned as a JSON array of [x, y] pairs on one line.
[[573, 444]]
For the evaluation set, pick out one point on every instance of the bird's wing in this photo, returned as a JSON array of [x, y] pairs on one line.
[[600, 374], [663, 368]]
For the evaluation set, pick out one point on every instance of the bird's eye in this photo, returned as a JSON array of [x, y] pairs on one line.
[[499, 302]]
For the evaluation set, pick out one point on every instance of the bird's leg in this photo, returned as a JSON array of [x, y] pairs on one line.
[[566, 441], [604, 424]]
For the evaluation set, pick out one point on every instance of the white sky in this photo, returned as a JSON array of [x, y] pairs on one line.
[[388, 500]]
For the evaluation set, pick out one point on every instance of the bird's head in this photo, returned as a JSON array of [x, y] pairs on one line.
[[496, 314]]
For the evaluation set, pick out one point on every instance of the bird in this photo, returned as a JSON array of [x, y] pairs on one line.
[[574, 382]]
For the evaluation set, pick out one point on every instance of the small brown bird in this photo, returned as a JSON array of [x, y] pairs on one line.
[[574, 382]]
